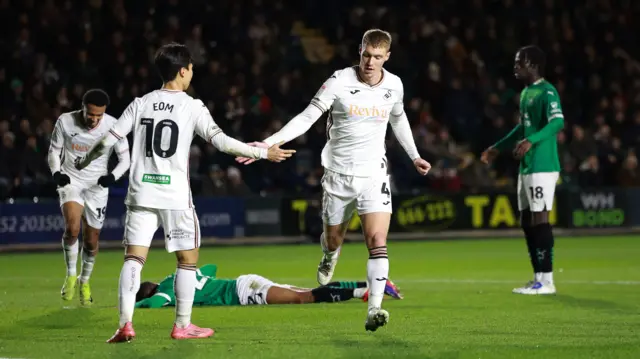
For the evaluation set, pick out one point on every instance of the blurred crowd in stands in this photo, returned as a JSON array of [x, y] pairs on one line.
[[259, 62]]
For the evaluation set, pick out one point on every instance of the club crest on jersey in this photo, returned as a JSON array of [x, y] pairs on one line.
[[387, 95], [355, 110]]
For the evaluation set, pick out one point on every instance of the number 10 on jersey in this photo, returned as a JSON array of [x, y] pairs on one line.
[[153, 137]]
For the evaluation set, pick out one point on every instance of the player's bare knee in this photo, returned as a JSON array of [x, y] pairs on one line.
[[90, 239], [71, 231], [376, 239], [189, 257]]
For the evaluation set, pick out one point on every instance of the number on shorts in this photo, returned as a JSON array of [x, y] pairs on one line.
[[153, 137], [536, 192], [251, 300], [101, 211], [385, 189]]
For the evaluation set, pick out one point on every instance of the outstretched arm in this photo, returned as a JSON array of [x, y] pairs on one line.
[[510, 139], [297, 126]]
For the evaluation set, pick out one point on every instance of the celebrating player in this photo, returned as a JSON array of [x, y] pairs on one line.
[[541, 119], [83, 195], [163, 124], [361, 100], [251, 289]]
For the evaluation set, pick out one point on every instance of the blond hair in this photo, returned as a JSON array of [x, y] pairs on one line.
[[376, 38]]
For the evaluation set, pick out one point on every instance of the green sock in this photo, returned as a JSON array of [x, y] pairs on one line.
[[347, 285]]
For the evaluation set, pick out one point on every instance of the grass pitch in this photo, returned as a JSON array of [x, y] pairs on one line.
[[458, 304]]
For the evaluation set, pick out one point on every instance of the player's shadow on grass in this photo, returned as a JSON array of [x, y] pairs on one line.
[[173, 349], [62, 319], [590, 303]]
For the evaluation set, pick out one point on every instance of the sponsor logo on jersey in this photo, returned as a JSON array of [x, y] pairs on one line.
[[355, 110], [80, 147], [157, 179], [354, 92]]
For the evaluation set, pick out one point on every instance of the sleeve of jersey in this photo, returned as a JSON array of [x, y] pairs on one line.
[[124, 125], [510, 139], [402, 129], [124, 160], [55, 148], [207, 128], [555, 118], [297, 126], [158, 300], [321, 103], [209, 270]]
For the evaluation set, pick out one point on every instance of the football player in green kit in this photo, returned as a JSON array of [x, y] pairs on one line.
[[534, 143], [251, 289]]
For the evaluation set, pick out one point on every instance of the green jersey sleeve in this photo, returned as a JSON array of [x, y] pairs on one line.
[[552, 110], [510, 139], [208, 270]]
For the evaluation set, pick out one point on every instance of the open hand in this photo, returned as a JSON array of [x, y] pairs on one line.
[[247, 160], [277, 154], [489, 155]]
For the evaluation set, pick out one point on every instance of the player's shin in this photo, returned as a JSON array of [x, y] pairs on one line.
[[331, 294], [545, 251], [377, 274], [129, 285], [532, 246], [185, 288], [326, 248], [88, 260], [70, 248]]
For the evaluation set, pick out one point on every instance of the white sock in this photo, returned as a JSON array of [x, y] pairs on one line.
[[129, 285], [185, 288], [359, 292], [88, 260], [325, 250], [537, 277], [71, 257], [377, 275], [547, 277]]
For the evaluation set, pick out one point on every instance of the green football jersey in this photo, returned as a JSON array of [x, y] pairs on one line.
[[541, 118], [209, 291]]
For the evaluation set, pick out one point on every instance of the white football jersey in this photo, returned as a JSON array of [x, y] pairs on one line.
[[163, 124], [74, 139], [357, 122]]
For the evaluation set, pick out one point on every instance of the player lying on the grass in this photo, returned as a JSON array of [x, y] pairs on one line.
[[251, 289], [535, 144], [83, 194]]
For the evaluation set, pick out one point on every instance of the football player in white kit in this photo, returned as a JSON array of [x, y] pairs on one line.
[[83, 195], [163, 123], [361, 100]]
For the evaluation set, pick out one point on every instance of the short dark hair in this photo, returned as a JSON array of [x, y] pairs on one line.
[[96, 97], [147, 289], [170, 58], [535, 56]]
